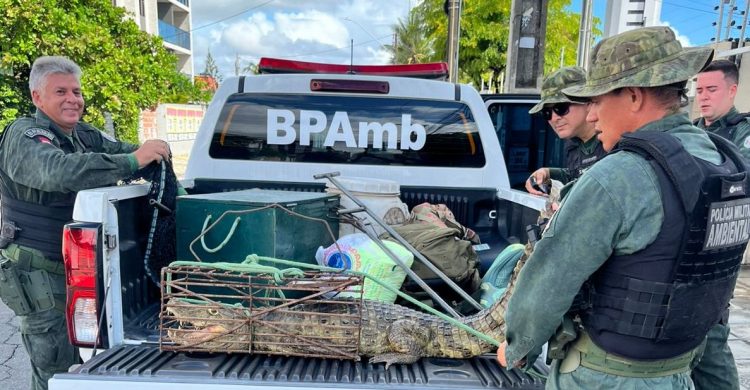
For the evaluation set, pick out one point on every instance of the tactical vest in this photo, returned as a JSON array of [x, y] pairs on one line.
[[732, 122], [36, 226], [576, 161], [40, 226], [660, 302]]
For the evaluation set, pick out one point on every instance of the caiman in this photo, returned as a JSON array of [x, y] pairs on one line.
[[389, 333]]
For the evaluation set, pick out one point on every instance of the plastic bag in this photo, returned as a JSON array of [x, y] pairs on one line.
[[360, 253]]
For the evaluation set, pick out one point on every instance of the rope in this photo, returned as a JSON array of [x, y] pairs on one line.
[[251, 265], [226, 239], [152, 230]]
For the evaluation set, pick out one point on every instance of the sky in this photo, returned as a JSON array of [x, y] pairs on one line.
[[322, 30], [317, 31]]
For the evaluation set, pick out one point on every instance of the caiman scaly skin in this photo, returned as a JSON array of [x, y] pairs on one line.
[[389, 333]]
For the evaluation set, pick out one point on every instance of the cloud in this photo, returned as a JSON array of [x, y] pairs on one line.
[[684, 40], [313, 26], [314, 31]]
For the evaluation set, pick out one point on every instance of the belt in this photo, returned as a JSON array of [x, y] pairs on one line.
[[595, 358], [28, 258]]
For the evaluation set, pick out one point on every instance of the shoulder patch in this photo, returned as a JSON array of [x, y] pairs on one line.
[[746, 143], [36, 131]]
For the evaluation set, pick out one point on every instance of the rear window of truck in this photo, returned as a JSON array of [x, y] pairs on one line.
[[347, 130]]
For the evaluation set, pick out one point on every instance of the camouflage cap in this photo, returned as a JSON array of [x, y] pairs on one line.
[[555, 82], [645, 57]]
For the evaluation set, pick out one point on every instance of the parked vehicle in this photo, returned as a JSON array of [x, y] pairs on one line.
[[275, 131], [528, 142]]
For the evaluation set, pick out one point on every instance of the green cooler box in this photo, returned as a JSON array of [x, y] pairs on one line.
[[270, 232]]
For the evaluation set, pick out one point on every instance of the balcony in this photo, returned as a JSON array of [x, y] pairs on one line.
[[186, 3], [174, 35]]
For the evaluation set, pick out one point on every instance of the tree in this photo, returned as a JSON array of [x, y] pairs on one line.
[[485, 26], [124, 69], [411, 45], [211, 68], [251, 67], [483, 40], [563, 29]]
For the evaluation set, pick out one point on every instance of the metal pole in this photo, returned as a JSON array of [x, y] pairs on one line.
[[562, 57], [718, 23], [413, 276], [401, 240], [584, 34], [454, 32], [744, 24], [729, 20]]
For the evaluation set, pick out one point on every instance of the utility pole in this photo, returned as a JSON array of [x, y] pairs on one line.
[[454, 33], [730, 21], [525, 57], [718, 23], [744, 24], [584, 35]]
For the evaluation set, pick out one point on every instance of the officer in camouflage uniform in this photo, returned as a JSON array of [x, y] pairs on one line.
[[715, 91], [44, 161], [640, 258], [568, 118]]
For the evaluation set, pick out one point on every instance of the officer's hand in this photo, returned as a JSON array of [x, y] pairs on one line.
[[541, 175], [501, 357], [501, 354], [152, 150]]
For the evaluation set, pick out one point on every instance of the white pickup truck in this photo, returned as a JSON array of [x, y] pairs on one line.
[[275, 131]]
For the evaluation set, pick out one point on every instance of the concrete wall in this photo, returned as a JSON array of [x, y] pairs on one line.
[[173, 12], [742, 101], [625, 15], [175, 123], [146, 22]]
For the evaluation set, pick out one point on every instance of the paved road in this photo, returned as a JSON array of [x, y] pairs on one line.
[[739, 320], [14, 362], [15, 370]]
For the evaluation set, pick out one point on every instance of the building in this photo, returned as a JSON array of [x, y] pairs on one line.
[[206, 82], [624, 15], [169, 19]]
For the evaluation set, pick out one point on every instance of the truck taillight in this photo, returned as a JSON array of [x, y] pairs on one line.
[[80, 248]]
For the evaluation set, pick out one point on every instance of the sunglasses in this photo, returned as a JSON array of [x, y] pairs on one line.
[[561, 109]]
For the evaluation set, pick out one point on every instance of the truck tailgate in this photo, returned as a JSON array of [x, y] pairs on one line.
[[145, 367]]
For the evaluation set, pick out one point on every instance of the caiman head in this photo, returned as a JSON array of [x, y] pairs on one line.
[[205, 326], [199, 315]]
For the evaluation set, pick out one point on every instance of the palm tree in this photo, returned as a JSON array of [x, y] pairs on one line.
[[411, 45]]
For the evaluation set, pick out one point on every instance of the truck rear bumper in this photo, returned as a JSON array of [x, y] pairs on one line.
[[145, 367]]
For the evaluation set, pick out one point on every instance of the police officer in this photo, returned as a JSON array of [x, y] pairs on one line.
[[715, 91], [643, 256], [567, 118], [44, 161]]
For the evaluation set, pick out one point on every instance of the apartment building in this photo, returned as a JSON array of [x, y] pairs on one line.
[[169, 19]]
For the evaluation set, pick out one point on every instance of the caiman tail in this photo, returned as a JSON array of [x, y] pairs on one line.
[[406, 335]]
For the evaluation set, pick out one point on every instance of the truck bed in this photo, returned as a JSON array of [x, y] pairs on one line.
[[145, 367]]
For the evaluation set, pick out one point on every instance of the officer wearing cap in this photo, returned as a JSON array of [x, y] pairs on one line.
[[715, 90], [653, 259], [567, 118], [44, 162]]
